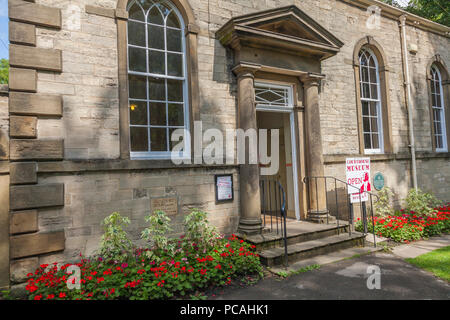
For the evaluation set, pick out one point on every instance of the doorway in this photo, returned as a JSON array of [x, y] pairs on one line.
[[275, 111]]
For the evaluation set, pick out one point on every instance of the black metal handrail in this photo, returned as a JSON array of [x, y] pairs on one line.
[[349, 205], [273, 207]]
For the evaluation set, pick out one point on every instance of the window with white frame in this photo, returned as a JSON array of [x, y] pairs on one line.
[[273, 96], [157, 86], [438, 109], [370, 102]]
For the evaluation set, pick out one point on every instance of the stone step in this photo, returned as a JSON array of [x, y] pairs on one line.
[[304, 250], [296, 233]]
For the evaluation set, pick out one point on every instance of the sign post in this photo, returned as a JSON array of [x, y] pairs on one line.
[[358, 178]]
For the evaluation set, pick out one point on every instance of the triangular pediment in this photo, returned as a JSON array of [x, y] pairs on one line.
[[286, 28]]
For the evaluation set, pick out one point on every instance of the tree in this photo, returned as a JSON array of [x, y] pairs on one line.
[[4, 71], [434, 10]]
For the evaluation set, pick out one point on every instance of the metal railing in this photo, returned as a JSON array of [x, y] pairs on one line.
[[333, 197], [273, 209]]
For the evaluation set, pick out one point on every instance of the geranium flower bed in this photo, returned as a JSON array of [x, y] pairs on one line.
[[144, 278], [409, 226]]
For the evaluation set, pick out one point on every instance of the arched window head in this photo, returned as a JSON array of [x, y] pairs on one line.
[[372, 121], [438, 110], [157, 85]]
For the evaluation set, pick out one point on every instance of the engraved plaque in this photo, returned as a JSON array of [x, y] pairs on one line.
[[168, 205]]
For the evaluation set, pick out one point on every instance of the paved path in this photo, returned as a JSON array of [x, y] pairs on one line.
[[420, 247], [348, 280]]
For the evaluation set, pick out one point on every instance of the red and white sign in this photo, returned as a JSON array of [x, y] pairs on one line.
[[358, 178]]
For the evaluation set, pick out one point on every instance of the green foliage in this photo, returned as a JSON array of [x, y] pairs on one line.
[[4, 71], [198, 232], [383, 204], [409, 226], [159, 272], [115, 244], [184, 275], [421, 203], [159, 227], [434, 10]]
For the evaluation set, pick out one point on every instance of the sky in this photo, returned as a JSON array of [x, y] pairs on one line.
[[4, 29]]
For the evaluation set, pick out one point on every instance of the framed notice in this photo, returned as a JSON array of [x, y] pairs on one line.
[[224, 187]]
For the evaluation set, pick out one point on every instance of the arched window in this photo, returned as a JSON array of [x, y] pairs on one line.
[[438, 110], [372, 120], [157, 81]]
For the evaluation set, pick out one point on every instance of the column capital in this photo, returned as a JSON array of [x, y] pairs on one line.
[[246, 69], [311, 79]]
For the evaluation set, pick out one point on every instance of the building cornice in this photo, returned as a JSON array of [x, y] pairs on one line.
[[395, 13]]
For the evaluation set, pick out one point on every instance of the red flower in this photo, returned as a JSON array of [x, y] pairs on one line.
[[38, 297], [100, 279], [62, 294], [50, 296], [218, 266]]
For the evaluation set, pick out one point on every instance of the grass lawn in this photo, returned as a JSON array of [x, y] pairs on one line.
[[437, 262]]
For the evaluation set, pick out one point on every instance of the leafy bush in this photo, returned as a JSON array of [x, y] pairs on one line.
[[150, 273], [115, 244], [156, 232], [198, 232], [421, 203], [383, 204]]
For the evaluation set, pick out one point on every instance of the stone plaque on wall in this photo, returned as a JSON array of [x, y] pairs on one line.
[[168, 205]]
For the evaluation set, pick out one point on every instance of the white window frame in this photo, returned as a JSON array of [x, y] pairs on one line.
[[378, 101], [275, 107], [161, 155], [441, 111]]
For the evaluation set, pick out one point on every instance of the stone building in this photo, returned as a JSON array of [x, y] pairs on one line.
[[97, 87]]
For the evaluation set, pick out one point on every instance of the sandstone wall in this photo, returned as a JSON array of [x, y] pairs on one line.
[[88, 84]]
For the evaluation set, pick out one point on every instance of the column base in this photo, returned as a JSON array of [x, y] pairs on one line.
[[320, 216], [250, 226]]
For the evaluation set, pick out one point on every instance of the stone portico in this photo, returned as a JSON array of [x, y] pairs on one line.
[[283, 45]]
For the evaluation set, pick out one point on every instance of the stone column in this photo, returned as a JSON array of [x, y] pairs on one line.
[[315, 166], [250, 219]]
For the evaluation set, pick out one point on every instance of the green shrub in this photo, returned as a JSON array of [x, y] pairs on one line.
[[198, 232], [115, 244], [155, 233], [421, 203], [383, 204]]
